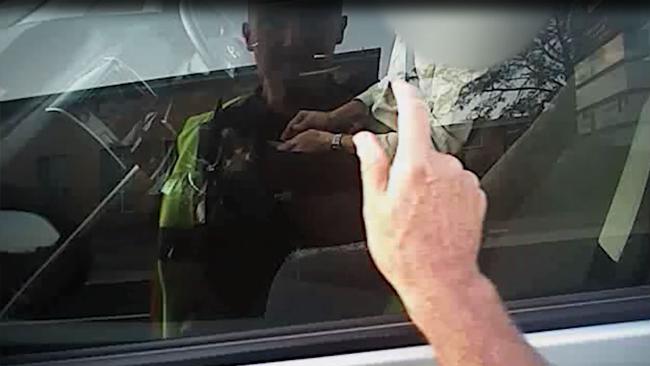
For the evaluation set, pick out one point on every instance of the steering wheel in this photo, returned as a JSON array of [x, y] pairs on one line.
[[214, 35]]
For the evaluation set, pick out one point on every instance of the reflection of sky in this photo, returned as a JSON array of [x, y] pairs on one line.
[[152, 43]]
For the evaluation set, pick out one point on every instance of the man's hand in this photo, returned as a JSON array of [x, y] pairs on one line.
[[424, 217], [424, 214], [309, 120], [309, 141]]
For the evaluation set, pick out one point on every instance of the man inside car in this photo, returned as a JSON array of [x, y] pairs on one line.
[[224, 225]]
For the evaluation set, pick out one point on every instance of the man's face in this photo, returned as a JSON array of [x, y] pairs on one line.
[[290, 41]]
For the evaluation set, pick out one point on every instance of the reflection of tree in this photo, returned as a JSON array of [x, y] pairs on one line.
[[523, 85]]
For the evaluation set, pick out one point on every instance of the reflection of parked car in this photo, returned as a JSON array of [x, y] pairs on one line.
[[27, 240], [59, 161], [50, 165]]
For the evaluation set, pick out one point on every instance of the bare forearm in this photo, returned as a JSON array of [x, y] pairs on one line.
[[350, 117], [467, 325], [348, 144]]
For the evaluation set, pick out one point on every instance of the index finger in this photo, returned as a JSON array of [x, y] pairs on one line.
[[414, 133]]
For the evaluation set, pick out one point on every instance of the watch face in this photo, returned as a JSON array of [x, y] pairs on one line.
[[336, 141]]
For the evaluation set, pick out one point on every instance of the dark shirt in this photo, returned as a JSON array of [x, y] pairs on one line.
[[257, 199]]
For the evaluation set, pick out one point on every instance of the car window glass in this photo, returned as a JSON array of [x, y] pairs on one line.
[[151, 188]]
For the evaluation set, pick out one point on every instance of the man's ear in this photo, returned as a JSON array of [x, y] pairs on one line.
[[344, 24], [246, 33]]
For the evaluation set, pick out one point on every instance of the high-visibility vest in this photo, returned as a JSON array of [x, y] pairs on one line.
[[179, 196], [178, 205]]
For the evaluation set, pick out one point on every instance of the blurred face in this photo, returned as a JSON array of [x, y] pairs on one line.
[[472, 38], [290, 42]]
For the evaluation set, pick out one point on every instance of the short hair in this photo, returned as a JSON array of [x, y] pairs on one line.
[[256, 5]]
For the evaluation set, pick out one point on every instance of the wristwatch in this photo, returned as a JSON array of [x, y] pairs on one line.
[[336, 143]]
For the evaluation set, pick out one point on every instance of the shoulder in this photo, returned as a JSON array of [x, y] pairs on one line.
[[239, 110], [190, 127], [193, 123]]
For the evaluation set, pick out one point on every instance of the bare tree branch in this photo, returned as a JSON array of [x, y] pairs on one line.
[[524, 84], [518, 89], [556, 82], [551, 56]]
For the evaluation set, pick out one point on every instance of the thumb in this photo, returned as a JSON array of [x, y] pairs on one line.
[[374, 163], [287, 145], [292, 127]]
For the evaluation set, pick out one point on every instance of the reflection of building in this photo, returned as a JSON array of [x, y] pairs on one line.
[[612, 87], [489, 140], [613, 83]]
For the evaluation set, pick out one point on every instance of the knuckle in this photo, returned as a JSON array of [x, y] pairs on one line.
[[482, 197], [471, 178], [482, 202], [451, 162], [445, 163], [417, 170]]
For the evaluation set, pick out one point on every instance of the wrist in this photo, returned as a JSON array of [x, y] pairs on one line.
[[433, 293], [341, 142], [336, 119], [336, 141], [348, 144], [345, 116]]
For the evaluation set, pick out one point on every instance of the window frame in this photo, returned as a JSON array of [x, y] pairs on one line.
[[356, 335], [348, 336]]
